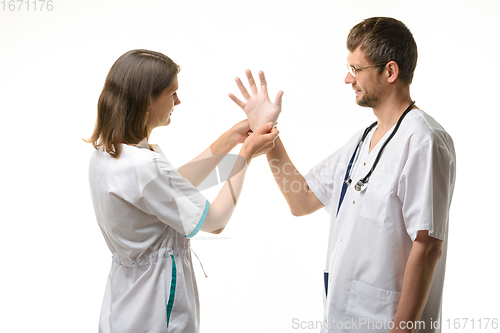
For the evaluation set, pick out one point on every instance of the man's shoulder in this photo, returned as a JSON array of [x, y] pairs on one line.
[[421, 128]]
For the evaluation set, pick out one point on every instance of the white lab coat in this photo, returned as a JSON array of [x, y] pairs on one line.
[[147, 212], [371, 238]]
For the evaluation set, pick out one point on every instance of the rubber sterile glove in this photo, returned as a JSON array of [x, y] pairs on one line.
[[258, 108], [259, 117]]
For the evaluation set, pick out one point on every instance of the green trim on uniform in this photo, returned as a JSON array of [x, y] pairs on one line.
[[173, 282], [200, 223]]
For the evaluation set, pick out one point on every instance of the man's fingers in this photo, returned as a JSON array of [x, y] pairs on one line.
[[251, 82], [279, 96], [263, 83], [237, 101], [242, 88]]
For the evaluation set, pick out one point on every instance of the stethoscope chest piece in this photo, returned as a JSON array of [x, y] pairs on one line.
[[361, 185]]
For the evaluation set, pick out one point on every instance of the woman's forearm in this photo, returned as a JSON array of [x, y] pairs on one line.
[[224, 204], [198, 169], [259, 142]]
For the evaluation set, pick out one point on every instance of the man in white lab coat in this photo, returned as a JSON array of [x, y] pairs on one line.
[[388, 191]]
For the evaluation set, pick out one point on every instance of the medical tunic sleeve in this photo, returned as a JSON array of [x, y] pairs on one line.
[[321, 179], [426, 188], [325, 179], [170, 197]]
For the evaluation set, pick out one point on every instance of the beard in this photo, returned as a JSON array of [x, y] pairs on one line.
[[371, 93], [369, 100]]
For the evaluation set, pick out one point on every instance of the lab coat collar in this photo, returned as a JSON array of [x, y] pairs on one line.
[[143, 143]]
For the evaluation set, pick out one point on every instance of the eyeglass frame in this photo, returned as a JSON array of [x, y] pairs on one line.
[[353, 69]]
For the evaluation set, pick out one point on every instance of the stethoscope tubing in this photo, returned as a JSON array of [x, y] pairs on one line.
[[361, 184]]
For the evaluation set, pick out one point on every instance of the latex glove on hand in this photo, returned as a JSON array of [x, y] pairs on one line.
[[258, 106]]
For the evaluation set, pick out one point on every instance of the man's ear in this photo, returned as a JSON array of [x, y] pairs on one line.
[[392, 68]]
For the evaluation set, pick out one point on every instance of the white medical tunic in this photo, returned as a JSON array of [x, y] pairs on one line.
[[371, 237], [147, 212]]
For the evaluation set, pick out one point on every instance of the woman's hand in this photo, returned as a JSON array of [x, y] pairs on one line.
[[240, 132], [261, 141], [258, 106]]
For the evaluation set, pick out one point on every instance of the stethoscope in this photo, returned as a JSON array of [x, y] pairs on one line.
[[363, 182]]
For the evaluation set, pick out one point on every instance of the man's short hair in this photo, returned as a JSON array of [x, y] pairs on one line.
[[385, 39]]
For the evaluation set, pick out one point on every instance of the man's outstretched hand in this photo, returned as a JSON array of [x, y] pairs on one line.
[[258, 106]]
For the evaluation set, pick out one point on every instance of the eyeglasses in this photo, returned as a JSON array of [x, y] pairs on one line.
[[353, 70]]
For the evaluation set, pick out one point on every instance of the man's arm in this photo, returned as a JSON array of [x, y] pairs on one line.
[[417, 280], [301, 199]]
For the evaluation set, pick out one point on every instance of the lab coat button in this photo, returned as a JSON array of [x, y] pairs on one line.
[[364, 164], [353, 202]]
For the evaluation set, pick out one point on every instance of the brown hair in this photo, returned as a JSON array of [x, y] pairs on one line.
[[133, 80], [385, 39]]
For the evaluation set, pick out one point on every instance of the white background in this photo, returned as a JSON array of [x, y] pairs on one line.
[[266, 268]]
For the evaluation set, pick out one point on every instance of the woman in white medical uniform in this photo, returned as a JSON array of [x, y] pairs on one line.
[[146, 209]]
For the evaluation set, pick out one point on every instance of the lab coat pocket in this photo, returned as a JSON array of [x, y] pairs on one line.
[[370, 309], [376, 196]]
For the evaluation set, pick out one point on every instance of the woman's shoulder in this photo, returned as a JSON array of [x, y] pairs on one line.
[[134, 161]]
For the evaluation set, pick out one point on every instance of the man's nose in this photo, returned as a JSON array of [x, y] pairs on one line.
[[349, 79]]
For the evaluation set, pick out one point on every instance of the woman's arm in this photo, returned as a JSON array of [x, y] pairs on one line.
[[197, 170], [259, 142]]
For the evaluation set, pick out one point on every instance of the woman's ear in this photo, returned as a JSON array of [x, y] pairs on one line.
[[392, 71]]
